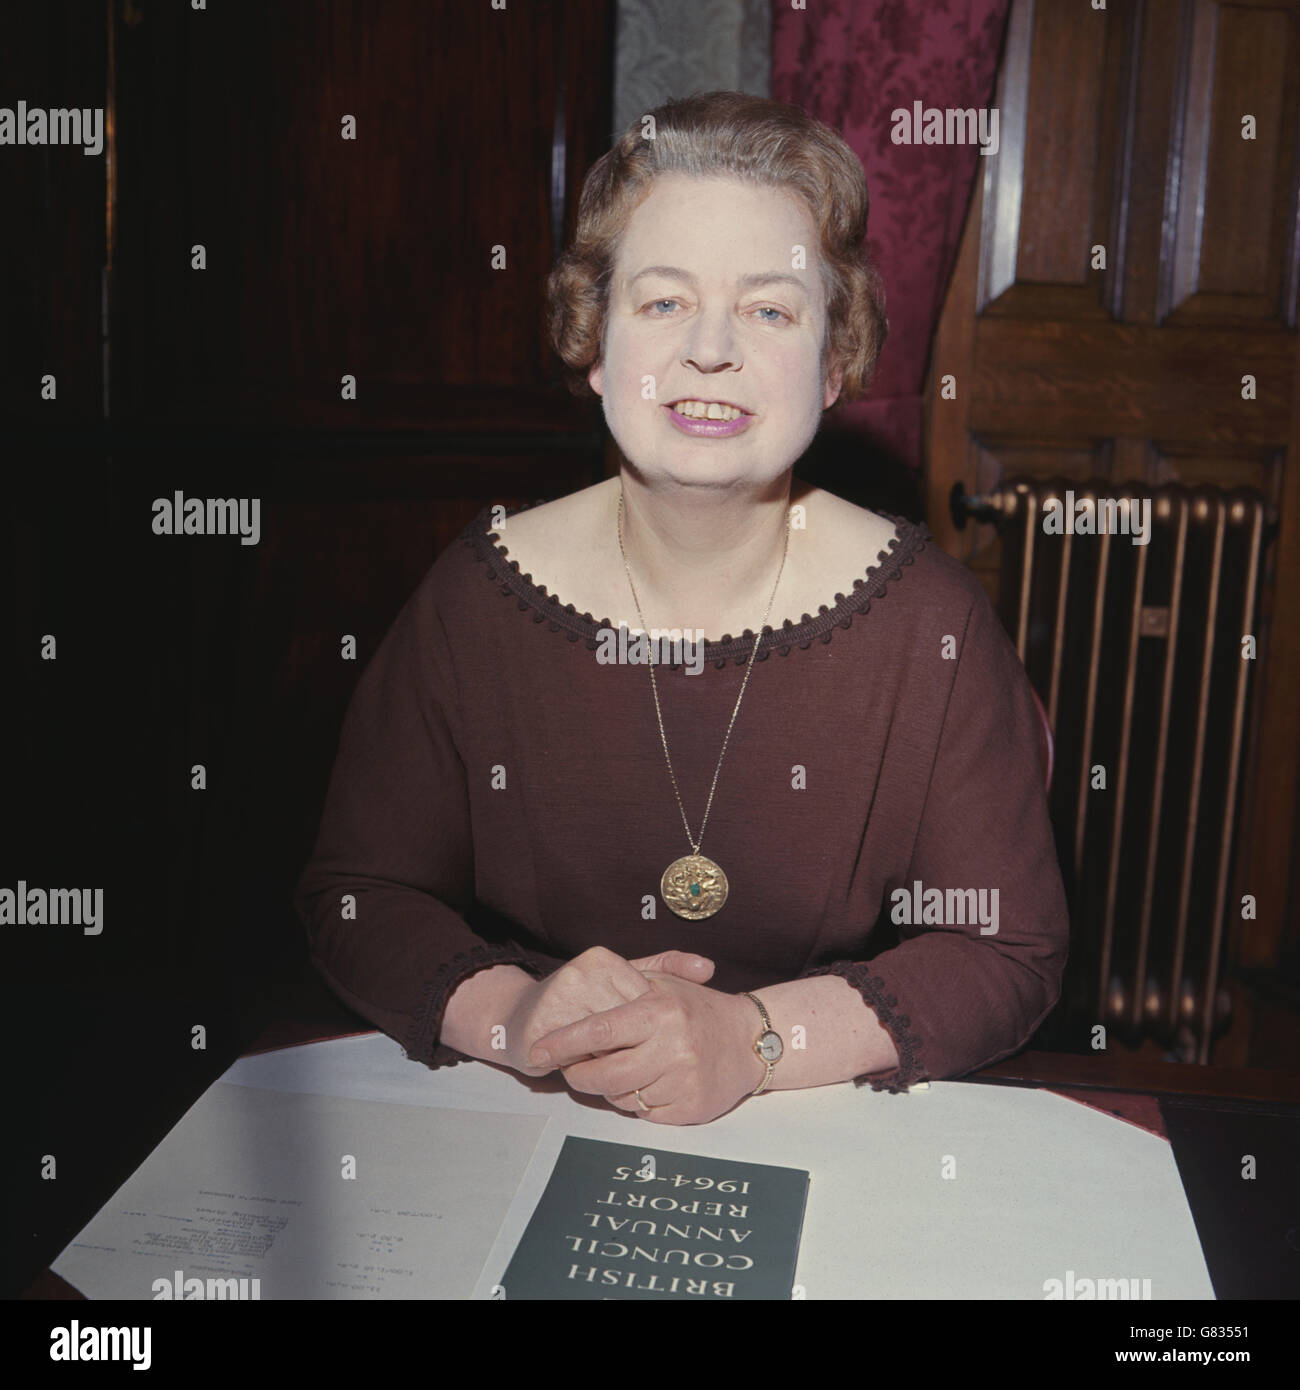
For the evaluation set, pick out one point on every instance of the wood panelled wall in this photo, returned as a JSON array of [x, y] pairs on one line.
[[322, 257], [410, 258], [1123, 128]]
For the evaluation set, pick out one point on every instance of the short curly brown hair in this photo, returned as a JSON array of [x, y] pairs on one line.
[[732, 134]]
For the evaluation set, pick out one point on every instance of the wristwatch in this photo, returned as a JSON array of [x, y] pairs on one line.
[[769, 1048]]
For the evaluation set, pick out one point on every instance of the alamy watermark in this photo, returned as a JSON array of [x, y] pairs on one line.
[[1075, 1286], [55, 907], [34, 125], [928, 125], [179, 515], [77, 1343], [664, 646], [1098, 516], [945, 907], [179, 1287]]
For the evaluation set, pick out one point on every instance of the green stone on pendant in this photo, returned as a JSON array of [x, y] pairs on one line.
[[696, 889]]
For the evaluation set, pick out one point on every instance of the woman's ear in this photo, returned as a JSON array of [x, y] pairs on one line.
[[832, 387], [596, 378]]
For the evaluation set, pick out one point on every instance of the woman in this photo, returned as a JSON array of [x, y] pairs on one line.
[[670, 881]]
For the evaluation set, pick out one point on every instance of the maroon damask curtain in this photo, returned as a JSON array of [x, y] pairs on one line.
[[851, 65]]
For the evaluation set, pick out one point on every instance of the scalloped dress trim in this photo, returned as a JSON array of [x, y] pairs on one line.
[[563, 617], [426, 1044], [873, 989]]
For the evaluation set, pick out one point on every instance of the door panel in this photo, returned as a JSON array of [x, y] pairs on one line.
[[1124, 308]]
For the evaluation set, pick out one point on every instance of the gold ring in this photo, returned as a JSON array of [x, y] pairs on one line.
[[640, 1102]]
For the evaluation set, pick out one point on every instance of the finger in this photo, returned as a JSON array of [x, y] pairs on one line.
[[626, 1026], [629, 1102], [616, 1073], [593, 982], [684, 964], [610, 980]]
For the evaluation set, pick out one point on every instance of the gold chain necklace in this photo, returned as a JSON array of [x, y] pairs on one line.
[[694, 886]]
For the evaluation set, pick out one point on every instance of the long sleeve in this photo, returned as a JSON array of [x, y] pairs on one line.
[[954, 999], [385, 895]]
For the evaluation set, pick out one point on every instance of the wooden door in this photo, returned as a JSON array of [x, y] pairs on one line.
[[1130, 256]]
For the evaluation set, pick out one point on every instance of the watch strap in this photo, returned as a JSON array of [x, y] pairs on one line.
[[758, 1045]]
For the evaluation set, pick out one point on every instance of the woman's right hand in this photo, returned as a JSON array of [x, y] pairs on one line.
[[590, 983]]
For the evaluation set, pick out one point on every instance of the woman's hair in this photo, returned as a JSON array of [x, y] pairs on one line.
[[735, 135]]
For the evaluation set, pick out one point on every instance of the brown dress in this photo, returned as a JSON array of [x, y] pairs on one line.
[[501, 796]]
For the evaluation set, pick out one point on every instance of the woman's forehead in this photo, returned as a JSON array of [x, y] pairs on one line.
[[715, 222]]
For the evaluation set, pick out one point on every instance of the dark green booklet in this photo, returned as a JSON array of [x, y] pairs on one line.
[[618, 1221]]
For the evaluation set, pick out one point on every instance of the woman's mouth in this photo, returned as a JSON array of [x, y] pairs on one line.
[[708, 419]]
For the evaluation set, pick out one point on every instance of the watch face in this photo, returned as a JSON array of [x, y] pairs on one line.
[[769, 1047]]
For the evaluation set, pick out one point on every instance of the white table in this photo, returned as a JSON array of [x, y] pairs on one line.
[[448, 1165]]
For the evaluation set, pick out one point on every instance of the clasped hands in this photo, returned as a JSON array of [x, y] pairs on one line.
[[614, 1027]]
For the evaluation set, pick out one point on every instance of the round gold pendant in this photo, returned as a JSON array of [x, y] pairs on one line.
[[694, 887]]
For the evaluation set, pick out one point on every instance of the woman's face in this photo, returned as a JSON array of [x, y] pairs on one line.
[[711, 300]]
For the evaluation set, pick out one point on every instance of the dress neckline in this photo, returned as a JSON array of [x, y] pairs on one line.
[[908, 540]]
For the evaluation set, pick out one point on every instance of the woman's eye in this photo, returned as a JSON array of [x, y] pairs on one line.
[[659, 311]]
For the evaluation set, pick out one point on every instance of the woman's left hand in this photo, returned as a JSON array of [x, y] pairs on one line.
[[688, 1048]]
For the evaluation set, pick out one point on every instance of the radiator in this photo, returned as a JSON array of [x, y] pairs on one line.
[[1136, 651]]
